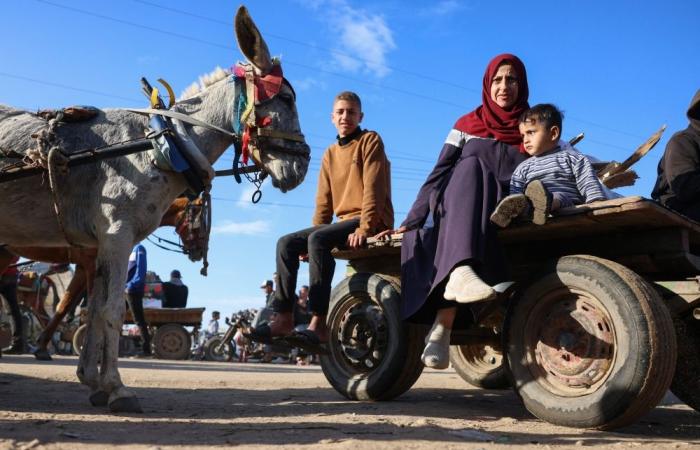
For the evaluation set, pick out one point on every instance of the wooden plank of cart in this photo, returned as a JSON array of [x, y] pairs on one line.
[[601, 313]]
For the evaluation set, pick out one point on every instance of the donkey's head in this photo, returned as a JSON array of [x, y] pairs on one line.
[[193, 227], [192, 222], [269, 118]]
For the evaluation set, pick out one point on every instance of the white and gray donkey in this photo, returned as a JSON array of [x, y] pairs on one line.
[[114, 203]]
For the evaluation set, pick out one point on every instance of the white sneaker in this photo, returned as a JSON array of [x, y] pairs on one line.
[[465, 286]]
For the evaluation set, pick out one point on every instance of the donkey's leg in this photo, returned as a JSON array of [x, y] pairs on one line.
[[111, 275], [70, 298], [91, 354]]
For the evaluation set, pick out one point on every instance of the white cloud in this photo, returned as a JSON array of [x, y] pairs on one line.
[[308, 83], [444, 7], [256, 227], [365, 37]]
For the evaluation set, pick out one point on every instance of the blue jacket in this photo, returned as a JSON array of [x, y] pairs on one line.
[[136, 272]]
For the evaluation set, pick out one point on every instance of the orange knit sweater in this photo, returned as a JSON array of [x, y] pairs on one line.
[[355, 181]]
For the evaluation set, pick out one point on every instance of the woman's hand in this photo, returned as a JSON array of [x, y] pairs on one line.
[[386, 234]]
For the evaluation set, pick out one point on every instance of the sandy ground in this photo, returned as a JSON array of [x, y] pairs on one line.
[[203, 405]]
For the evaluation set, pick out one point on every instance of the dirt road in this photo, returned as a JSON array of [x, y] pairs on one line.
[[202, 405]]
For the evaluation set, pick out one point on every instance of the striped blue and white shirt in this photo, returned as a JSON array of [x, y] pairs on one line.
[[565, 172]]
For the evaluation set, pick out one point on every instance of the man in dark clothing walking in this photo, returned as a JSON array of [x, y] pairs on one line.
[[678, 184], [135, 285]]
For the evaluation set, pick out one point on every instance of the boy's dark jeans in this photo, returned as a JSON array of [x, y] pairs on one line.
[[135, 301], [317, 242]]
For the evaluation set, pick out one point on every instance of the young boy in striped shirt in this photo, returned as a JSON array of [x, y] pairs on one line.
[[556, 175]]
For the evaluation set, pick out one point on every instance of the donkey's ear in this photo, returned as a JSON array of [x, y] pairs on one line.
[[251, 42]]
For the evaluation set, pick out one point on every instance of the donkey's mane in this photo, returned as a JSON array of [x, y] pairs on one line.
[[204, 82]]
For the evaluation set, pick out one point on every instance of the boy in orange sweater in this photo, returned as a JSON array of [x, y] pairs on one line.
[[354, 185]]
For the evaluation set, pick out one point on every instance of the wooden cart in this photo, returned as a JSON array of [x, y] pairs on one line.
[[170, 338], [588, 332]]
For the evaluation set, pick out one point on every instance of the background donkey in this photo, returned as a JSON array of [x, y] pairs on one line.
[[113, 204], [84, 260]]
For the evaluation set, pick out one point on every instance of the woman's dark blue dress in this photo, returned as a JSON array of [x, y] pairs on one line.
[[450, 221]]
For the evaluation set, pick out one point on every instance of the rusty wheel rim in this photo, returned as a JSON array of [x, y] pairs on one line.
[[361, 332], [485, 358], [570, 342]]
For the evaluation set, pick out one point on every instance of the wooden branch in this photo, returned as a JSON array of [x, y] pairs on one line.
[[636, 156]]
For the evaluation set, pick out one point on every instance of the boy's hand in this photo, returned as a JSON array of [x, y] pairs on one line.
[[304, 257], [356, 240]]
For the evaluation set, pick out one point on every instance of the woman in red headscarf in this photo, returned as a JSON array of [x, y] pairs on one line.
[[449, 253]]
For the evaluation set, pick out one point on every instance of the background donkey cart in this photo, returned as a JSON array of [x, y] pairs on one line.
[[128, 194]]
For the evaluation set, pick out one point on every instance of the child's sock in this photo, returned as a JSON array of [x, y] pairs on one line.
[[465, 286], [436, 354]]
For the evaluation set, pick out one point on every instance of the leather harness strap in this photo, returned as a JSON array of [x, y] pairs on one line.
[[276, 134], [184, 118]]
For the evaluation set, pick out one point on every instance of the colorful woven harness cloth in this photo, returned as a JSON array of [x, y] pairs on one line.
[[259, 89]]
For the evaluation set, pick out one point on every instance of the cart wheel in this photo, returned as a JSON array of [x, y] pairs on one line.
[[215, 350], [171, 341], [686, 382], [79, 339], [590, 344], [481, 364], [373, 354]]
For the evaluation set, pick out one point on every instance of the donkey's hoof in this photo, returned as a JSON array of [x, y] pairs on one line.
[[125, 404], [42, 354], [99, 398]]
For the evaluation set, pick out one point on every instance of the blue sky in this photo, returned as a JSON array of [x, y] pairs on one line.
[[619, 70]]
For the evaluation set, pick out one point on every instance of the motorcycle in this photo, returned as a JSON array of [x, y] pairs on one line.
[[221, 347]]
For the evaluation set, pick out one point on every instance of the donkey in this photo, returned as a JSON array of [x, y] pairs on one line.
[[112, 204]]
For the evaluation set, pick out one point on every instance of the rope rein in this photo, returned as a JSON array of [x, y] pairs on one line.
[[160, 239]]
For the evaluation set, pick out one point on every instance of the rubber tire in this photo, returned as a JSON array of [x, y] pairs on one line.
[[495, 377], [401, 365], [686, 381], [644, 337], [226, 355], [171, 341], [79, 339]]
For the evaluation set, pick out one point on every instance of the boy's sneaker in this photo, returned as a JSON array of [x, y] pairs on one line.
[[541, 200], [509, 208]]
